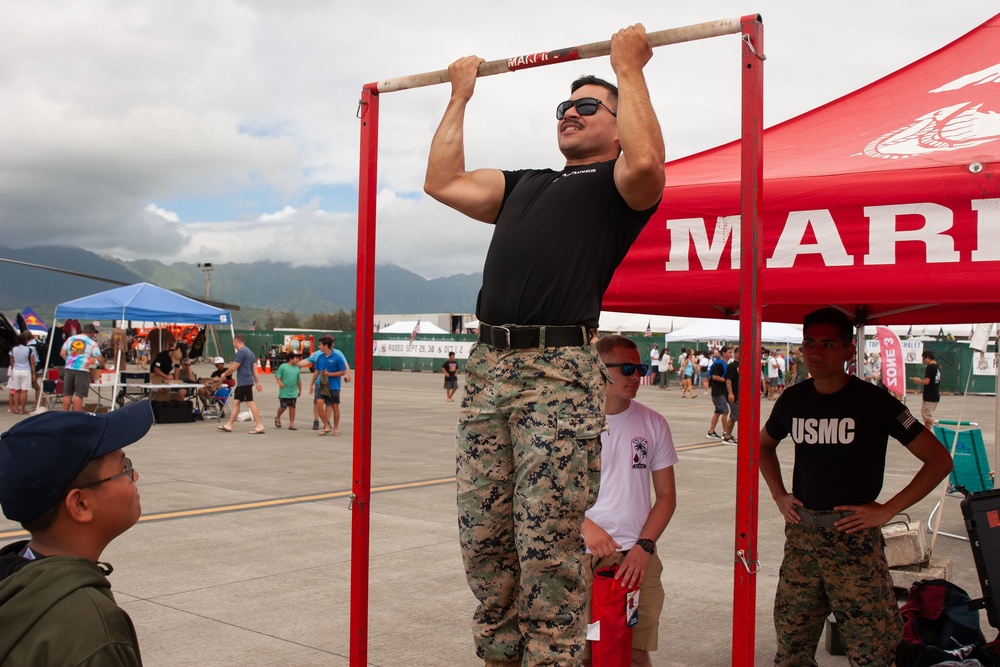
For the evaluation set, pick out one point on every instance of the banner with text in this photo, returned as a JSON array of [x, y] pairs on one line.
[[913, 350], [418, 348]]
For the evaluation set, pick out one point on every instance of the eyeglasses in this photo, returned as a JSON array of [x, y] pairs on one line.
[[129, 471], [628, 369], [585, 106]]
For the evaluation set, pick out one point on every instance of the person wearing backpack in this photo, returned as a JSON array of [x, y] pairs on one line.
[[717, 381]]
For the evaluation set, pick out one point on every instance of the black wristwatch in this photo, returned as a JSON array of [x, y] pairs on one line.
[[648, 545]]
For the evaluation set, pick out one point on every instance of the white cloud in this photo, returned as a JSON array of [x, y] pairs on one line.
[[109, 106], [169, 216]]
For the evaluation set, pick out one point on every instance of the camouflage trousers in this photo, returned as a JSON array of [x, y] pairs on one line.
[[826, 570], [528, 467]]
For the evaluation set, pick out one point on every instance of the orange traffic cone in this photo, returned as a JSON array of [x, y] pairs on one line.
[[259, 369], [267, 366]]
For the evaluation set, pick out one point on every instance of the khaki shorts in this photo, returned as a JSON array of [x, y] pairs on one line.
[[927, 409], [646, 631], [76, 383]]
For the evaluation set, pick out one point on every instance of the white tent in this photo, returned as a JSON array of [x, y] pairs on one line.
[[406, 327], [729, 330], [622, 322]]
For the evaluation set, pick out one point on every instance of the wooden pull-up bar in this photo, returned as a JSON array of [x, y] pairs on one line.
[[688, 33]]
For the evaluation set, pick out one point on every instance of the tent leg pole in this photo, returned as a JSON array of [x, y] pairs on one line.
[[363, 358], [751, 264]]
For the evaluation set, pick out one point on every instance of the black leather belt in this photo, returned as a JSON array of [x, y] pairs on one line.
[[511, 337], [821, 518]]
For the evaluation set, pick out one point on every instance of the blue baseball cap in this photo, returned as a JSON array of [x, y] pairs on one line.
[[41, 455]]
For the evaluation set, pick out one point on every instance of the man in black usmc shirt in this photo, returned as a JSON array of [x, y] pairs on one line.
[[834, 558], [528, 441]]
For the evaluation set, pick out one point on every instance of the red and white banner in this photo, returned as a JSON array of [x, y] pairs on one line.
[[893, 367]]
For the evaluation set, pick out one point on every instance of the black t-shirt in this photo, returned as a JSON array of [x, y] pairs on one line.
[[733, 375], [719, 371], [557, 241], [931, 391], [840, 440], [164, 362], [450, 369]]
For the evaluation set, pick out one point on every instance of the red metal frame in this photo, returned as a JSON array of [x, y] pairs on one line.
[[361, 480], [751, 263], [748, 457]]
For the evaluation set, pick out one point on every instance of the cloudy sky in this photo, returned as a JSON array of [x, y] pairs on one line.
[[226, 131]]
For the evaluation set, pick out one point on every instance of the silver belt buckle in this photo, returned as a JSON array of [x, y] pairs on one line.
[[504, 343]]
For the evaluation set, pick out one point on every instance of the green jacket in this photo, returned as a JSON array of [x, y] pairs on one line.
[[59, 611]]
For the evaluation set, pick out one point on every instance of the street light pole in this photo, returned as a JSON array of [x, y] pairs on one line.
[[207, 270]]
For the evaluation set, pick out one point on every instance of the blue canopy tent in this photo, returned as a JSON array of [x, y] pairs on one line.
[[141, 302]]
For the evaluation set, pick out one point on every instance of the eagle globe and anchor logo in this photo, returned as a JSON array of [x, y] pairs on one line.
[[948, 128]]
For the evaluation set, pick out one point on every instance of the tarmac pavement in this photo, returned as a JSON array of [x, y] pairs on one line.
[[243, 555]]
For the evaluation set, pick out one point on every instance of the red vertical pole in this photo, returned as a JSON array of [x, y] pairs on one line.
[[751, 263], [365, 310]]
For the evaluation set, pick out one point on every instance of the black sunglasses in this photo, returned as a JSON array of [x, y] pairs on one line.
[[628, 369], [585, 106]]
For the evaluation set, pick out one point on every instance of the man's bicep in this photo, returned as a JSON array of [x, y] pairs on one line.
[[767, 440], [664, 482], [929, 449], [640, 186], [477, 194]]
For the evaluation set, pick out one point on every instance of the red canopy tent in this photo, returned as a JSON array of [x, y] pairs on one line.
[[885, 203]]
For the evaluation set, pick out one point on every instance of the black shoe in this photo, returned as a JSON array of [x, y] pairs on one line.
[[729, 440], [713, 434], [315, 424]]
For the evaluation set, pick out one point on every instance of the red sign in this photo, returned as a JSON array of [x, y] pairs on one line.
[[893, 366]]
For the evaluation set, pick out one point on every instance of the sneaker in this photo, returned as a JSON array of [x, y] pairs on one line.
[[713, 434], [315, 424], [729, 440]]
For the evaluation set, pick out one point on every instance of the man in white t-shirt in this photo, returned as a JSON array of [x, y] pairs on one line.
[[780, 358], [623, 525], [772, 376], [654, 365]]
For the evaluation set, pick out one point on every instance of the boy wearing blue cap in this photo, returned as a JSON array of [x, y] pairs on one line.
[[66, 480]]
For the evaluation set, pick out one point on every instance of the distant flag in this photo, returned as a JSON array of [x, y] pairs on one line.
[[415, 332], [458, 328], [909, 332], [33, 321], [378, 326], [253, 327], [649, 329]]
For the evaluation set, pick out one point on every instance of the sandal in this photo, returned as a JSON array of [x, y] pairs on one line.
[[256, 432], [324, 431], [277, 423], [223, 428], [292, 428]]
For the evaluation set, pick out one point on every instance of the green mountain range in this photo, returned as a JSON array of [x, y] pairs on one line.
[[255, 287]]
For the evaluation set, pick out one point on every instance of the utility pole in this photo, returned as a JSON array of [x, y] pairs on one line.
[[210, 334]]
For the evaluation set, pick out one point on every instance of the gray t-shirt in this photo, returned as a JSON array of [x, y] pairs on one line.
[[244, 374]]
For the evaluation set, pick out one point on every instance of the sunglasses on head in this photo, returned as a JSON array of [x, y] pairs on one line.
[[628, 369], [585, 106]]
